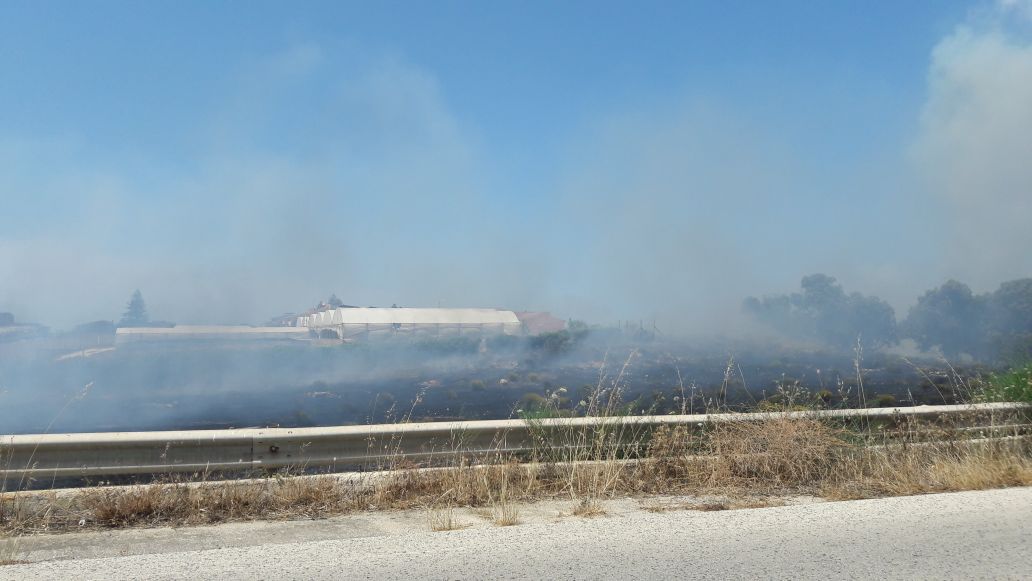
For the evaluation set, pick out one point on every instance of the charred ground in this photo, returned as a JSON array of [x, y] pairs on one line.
[[199, 385]]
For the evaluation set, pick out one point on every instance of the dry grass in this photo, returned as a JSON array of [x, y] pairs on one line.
[[775, 453], [12, 562], [9, 552], [737, 504], [735, 463], [504, 511], [179, 503], [443, 519], [585, 462], [931, 467], [506, 514], [589, 506], [712, 505], [758, 457]]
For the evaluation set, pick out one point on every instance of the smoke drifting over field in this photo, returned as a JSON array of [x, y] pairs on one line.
[[194, 385], [300, 163], [325, 166]]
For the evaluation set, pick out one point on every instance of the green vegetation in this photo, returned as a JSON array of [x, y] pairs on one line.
[[561, 341], [1013, 385], [996, 325], [534, 405], [824, 312], [991, 327], [885, 400], [135, 312]]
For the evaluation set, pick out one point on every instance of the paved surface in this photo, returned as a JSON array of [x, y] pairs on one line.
[[949, 536]]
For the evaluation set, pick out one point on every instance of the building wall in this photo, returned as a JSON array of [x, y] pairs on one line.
[[196, 333]]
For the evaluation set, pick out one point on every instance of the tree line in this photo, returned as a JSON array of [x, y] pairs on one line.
[[991, 326]]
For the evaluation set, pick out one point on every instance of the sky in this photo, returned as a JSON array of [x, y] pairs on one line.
[[602, 160]]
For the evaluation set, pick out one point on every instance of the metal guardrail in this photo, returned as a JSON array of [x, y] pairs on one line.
[[55, 456]]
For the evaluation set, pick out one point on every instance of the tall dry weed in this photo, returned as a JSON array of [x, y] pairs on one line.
[[775, 452]]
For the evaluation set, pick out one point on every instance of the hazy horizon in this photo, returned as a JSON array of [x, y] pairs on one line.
[[596, 160]]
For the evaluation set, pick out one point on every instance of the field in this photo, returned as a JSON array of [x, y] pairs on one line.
[[746, 464], [221, 385]]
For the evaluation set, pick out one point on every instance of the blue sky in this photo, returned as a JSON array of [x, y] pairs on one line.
[[601, 159]]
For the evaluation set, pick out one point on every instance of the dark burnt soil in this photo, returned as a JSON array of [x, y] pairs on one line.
[[200, 386]]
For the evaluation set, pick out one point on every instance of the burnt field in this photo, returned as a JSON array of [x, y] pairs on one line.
[[220, 385]]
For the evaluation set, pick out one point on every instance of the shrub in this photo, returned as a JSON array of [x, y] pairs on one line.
[[533, 400], [555, 343]]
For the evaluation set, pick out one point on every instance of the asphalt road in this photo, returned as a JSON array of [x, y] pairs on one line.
[[971, 535]]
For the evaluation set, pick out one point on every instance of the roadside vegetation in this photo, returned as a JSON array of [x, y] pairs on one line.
[[734, 461], [586, 465], [1012, 385]]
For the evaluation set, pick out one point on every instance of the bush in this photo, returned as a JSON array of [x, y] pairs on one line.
[[533, 402], [885, 400], [558, 342]]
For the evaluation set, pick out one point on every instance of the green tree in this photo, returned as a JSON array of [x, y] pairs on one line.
[[824, 312], [135, 312], [1009, 320], [950, 317]]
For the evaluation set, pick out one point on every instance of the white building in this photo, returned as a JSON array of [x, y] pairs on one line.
[[368, 322]]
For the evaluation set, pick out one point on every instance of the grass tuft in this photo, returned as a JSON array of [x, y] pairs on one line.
[[443, 519], [588, 507], [9, 552]]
